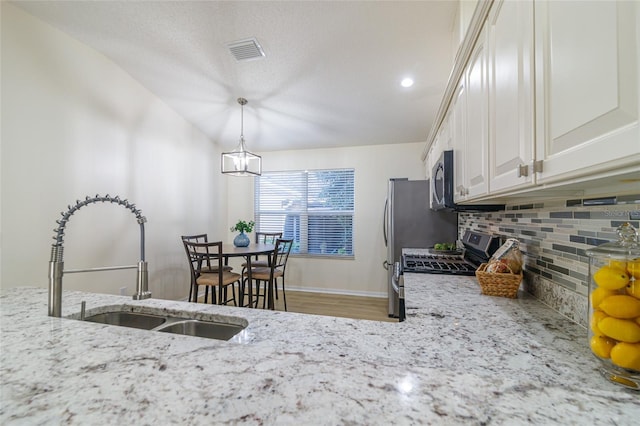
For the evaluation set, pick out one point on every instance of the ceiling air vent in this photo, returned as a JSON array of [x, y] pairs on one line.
[[246, 50]]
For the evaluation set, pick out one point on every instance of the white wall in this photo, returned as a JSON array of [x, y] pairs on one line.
[[373, 165], [75, 124]]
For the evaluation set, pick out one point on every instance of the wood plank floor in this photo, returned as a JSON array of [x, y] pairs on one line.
[[336, 305]]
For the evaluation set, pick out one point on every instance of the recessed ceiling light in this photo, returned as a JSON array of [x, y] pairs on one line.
[[406, 82]]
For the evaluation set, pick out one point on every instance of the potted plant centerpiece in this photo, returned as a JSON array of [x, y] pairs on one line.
[[242, 240]]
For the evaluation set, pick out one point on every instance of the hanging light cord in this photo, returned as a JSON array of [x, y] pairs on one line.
[[242, 102], [241, 120]]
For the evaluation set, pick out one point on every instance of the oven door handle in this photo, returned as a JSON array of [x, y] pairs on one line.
[[394, 283], [402, 314], [398, 287]]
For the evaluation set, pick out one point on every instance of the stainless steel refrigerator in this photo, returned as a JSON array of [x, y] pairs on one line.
[[410, 223]]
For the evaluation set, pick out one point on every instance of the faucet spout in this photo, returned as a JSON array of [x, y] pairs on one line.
[[56, 264]]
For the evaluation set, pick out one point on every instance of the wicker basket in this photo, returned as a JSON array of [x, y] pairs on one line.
[[498, 284]]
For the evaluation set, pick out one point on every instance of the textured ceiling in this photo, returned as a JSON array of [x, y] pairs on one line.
[[331, 76]]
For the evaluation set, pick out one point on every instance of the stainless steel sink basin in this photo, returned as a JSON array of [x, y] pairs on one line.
[[169, 324], [128, 319], [210, 330]]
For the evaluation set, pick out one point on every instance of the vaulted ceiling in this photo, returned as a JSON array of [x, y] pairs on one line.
[[331, 75]]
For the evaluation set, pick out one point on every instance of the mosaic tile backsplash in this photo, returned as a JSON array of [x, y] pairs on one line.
[[554, 237]]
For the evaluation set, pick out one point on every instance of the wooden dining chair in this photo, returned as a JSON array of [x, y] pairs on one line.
[[198, 238], [207, 269], [276, 269]]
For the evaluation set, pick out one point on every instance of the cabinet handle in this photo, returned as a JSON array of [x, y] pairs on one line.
[[522, 170], [537, 166]]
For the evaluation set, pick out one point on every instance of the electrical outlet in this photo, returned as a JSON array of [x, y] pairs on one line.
[[123, 291]]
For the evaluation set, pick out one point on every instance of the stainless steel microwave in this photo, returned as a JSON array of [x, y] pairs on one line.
[[442, 176]]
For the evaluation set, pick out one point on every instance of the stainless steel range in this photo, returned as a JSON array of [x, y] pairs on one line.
[[478, 248], [409, 222]]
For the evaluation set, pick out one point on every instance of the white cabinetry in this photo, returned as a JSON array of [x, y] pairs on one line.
[[511, 107], [545, 98], [476, 162], [458, 136], [587, 88]]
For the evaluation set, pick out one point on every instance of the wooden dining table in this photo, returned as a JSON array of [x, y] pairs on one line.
[[253, 249]]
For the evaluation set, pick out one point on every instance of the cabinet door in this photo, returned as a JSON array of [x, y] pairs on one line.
[[510, 26], [477, 133], [587, 87], [458, 138]]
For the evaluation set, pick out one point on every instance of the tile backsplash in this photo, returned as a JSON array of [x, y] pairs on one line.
[[554, 237]]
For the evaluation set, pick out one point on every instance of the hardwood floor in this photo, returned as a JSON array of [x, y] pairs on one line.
[[337, 305]]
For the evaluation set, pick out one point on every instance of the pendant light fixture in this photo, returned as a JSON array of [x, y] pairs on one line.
[[241, 162]]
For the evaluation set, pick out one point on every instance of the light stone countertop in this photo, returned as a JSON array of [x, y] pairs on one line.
[[459, 358]]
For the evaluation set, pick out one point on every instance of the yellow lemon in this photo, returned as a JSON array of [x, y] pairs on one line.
[[601, 346], [620, 329], [619, 264], [626, 355], [633, 288], [633, 268], [597, 316], [599, 294], [611, 278], [621, 306]]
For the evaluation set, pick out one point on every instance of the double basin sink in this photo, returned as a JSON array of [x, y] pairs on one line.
[[169, 324]]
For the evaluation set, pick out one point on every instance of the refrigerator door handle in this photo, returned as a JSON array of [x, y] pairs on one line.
[[384, 222]]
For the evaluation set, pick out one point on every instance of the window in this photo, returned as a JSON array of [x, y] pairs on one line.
[[312, 207]]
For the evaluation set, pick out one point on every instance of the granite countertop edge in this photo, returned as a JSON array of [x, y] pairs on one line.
[[459, 358]]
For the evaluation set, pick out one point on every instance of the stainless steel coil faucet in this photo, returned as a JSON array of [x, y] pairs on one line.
[[56, 264]]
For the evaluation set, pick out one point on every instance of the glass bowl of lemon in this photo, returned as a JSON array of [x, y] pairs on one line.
[[614, 307]]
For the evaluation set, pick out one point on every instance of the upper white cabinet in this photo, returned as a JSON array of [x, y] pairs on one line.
[[469, 127], [476, 175], [458, 137], [545, 96], [587, 92], [511, 107]]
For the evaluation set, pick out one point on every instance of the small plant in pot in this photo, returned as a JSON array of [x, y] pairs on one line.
[[242, 240]]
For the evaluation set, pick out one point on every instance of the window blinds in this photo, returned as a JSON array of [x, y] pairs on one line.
[[312, 207]]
